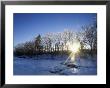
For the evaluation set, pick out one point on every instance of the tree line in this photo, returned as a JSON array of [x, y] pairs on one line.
[[57, 42]]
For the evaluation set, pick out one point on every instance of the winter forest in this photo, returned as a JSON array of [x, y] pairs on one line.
[[59, 53]]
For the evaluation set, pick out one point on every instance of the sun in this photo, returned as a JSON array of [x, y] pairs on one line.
[[74, 47]]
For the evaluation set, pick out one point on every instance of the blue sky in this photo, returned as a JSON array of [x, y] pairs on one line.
[[28, 25]]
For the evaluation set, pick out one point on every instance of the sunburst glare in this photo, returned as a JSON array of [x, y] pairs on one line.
[[74, 48]]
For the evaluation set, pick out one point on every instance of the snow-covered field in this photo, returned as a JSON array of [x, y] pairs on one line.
[[48, 65]]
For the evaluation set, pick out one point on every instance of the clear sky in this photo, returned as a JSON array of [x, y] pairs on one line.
[[29, 25]]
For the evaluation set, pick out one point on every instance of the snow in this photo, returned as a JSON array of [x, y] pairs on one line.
[[48, 65]]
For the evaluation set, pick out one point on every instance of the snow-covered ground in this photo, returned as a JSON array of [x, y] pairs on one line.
[[48, 65]]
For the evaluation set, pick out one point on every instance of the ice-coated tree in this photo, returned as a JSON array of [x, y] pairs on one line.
[[90, 36], [80, 37], [47, 42], [68, 36]]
